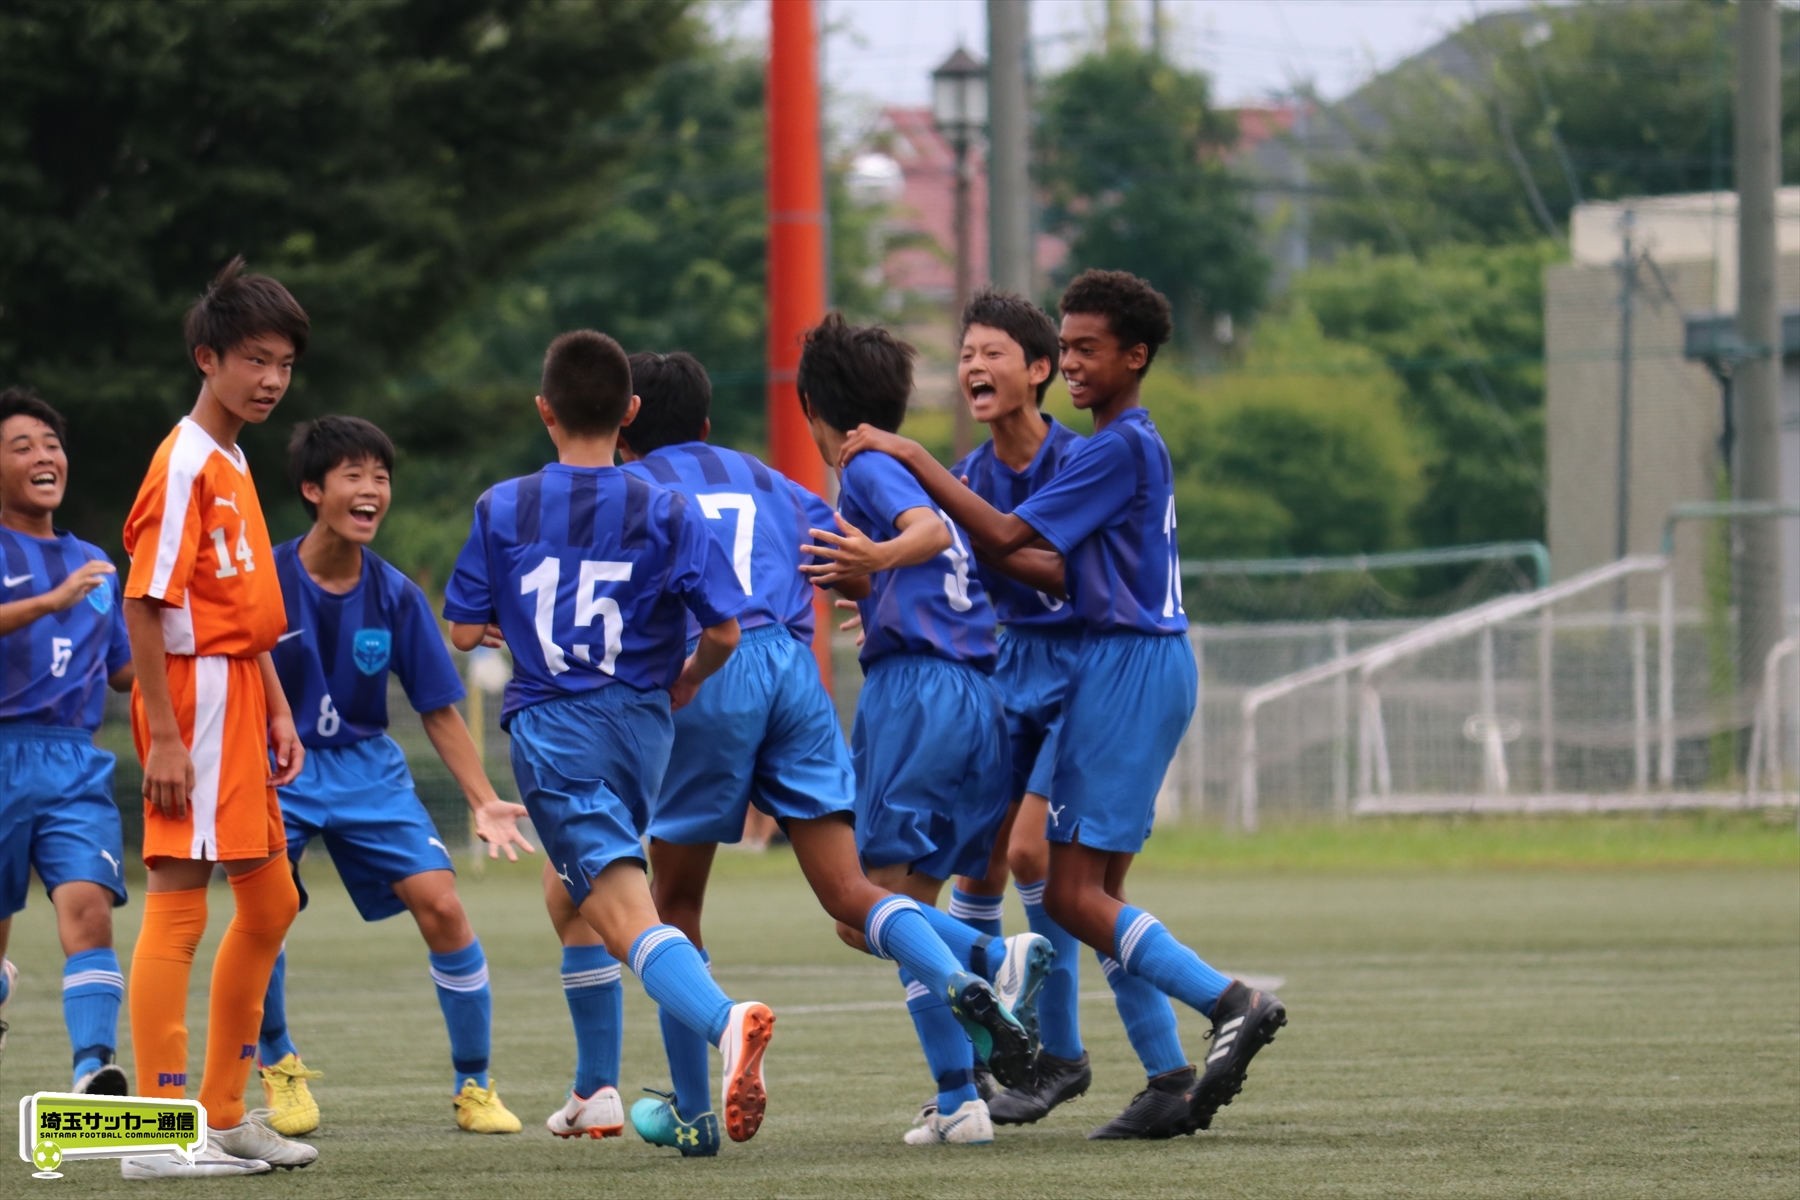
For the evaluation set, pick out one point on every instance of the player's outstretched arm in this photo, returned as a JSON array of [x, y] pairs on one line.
[[496, 820], [717, 642], [284, 739], [850, 554], [82, 580], [168, 770], [990, 531]]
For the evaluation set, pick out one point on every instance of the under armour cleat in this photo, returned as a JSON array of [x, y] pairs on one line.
[[12, 979], [109, 1080], [601, 1115], [1054, 1081], [292, 1109], [253, 1140], [210, 1163], [999, 1039], [478, 1110], [1021, 977], [1160, 1111], [747, 1033], [967, 1126], [1244, 1021], [657, 1122]]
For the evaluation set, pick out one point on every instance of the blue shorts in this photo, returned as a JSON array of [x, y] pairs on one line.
[[1129, 701], [56, 813], [589, 768], [762, 731], [1032, 676], [930, 749], [360, 799]]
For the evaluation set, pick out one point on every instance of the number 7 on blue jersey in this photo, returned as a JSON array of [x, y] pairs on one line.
[[542, 580]]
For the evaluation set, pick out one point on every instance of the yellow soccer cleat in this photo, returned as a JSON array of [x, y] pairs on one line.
[[292, 1109], [479, 1110]]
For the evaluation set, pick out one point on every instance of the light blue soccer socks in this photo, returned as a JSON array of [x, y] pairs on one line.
[[1149, 1019], [1147, 950], [967, 943], [948, 1052], [899, 928], [980, 912], [676, 977], [690, 1067], [93, 989], [1058, 1006], [592, 986], [462, 989], [273, 1042]]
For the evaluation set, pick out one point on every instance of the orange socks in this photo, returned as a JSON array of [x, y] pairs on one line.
[[160, 965], [267, 903]]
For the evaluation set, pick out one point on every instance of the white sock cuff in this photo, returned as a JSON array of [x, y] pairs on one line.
[[884, 912], [965, 907], [1031, 893]]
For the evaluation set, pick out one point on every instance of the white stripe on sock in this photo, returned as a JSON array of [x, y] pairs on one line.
[[649, 942], [977, 909], [1133, 935], [474, 981], [1110, 967], [598, 977], [1031, 893], [112, 979], [917, 991], [877, 927]]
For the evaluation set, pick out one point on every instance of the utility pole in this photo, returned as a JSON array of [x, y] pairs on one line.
[[1758, 377], [1009, 145], [1156, 28], [1627, 267]]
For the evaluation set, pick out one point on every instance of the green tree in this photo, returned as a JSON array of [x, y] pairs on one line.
[[385, 158], [1132, 161], [1463, 330]]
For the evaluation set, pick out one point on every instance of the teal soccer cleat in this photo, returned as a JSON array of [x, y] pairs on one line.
[[1021, 977], [999, 1039], [657, 1122]]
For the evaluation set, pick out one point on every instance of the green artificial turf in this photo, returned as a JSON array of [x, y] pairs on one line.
[[1478, 1009]]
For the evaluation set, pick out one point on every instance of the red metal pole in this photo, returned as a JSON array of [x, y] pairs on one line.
[[796, 186]]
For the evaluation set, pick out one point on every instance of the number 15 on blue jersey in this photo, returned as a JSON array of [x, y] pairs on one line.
[[542, 581]]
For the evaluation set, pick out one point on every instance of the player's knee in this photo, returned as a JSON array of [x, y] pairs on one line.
[[852, 937], [86, 922], [1028, 864], [441, 916]]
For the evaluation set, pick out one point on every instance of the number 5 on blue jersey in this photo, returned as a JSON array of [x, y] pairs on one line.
[[542, 581]]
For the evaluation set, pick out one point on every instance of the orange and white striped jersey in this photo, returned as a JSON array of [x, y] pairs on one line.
[[198, 544]]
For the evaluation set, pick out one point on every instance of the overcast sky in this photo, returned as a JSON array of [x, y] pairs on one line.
[[884, 50]]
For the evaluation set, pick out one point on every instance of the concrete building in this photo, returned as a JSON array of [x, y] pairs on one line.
[[1685, 283]]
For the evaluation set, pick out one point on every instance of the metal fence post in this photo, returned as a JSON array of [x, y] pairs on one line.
[[1340, 726], [1547, 703], [1640, 705], [1665, 673]]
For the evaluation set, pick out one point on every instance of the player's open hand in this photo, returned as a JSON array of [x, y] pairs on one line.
[[855, 622], [169, 777], [685, 687], [497, 824], [493, 638], [849, 554], [82, 580], [867, 437], [284, 743]]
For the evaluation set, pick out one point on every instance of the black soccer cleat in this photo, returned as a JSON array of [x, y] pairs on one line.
[[109, 1080], [1054, 1081], [998, 1037], [1162, 1110], [1244, 1021], [985, 1087]]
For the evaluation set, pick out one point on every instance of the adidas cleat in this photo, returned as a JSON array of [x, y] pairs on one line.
[[1161, 1110], [998, 1037], [292, 1109], [12, 979], [1021, 977], [1244, 1021], [252, 1140], [967, 1126], [1054, 1081], [743, 1096], [109, 1080], [657, 1122], [601, 1115], [479, 1110]]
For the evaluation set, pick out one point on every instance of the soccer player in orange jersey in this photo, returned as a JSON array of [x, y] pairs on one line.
[[203, 609]]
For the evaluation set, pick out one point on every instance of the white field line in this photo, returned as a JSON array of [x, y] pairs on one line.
[[1266, 983]]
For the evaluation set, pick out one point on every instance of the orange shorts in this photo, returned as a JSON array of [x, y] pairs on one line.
[[224, 720]]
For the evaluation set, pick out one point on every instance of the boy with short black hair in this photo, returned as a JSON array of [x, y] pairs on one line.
[[1108, 518], [203, 609], [590, 574], [56, 788], [928, 650], [355, 619]]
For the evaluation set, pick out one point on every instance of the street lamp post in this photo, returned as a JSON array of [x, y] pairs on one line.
[[959, 109]]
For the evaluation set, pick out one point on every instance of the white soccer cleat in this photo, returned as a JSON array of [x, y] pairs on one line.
[[742, 1093], [12, 981], [601, 1115], [253, 1139], [210, 1163], [969, 1125]]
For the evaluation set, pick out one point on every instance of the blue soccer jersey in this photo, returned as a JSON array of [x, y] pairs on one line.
[[1017, 604], [56, 668], [759, 519], [590, 573], [1110, 511], [335, 657], [937, 607]]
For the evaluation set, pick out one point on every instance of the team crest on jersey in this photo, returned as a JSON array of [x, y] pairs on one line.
[[101, 598], [370, 648]]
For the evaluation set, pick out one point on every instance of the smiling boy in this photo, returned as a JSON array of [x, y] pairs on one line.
[[203, 609], [354, 620], [63, 641]]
